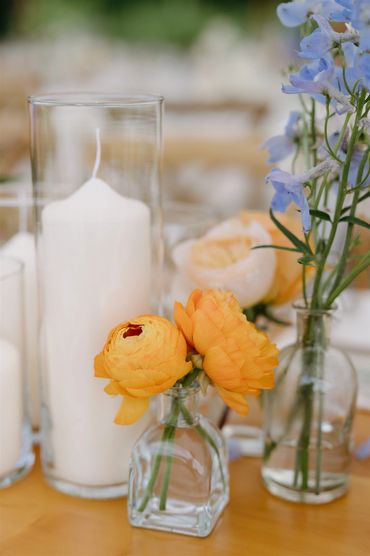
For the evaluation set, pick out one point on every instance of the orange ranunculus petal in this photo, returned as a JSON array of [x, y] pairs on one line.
[[222, 368], [131, 410], [237, 402], [193, 301], [114, 389], [143, 357], [99, 366], [183, 322], [206, 333]]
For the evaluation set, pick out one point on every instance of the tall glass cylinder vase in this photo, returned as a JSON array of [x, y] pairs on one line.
[[16, 456], [309, 416], [95, 162]]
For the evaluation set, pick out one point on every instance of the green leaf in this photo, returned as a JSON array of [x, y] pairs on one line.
[[320, 214], [306, 260], [362, 198], [299, 244], [277, 247], [355, 220]]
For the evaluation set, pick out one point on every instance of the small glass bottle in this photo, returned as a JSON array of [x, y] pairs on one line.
[[179, 477], [309, 416]]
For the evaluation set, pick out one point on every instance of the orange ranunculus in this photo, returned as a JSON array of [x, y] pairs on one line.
[[142, 357], [237, 357], [287, 282]]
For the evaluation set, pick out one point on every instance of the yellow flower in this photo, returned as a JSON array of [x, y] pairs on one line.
[[142, 357], [287, 282], [237, 357]]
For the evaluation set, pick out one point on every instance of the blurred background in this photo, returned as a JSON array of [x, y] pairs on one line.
[[217, 63]]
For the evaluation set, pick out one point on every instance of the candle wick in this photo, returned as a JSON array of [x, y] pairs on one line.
[[98, 154]]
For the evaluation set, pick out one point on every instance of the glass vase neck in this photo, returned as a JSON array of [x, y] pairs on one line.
[[313, 325], [179, 406]]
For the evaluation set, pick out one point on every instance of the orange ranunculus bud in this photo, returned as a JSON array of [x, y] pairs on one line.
[[142, 357], [237, 357], [287, 282]]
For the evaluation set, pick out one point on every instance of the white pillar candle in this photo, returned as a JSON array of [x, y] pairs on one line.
[[22, 247], [11, 407], [95, 264]]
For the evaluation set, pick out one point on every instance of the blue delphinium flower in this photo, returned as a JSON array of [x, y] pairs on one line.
[[289, 188], [356, 12], [356, 158], [292, 14], [281, 146], [315, 79], [344, 13], [362, 68], [322, 40]]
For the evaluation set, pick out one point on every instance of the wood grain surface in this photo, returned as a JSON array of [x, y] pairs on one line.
[[35, 520]]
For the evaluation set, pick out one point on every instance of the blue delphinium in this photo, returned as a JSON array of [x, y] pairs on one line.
[[337, 73], [281, 146], [293, 14], [289, 189], [323, 39], [316, 79]]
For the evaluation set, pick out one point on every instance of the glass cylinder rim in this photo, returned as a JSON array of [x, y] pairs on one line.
[[16, 268], [301, 307], [104, 100]]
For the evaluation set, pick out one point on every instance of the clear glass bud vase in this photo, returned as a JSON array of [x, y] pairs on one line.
[[179, 477], [308, 416]]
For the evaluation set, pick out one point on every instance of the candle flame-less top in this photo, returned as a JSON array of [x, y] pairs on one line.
[[95, 201]]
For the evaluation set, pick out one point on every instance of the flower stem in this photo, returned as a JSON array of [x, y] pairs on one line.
[[167, 469], [347, 244], [154, 474], [204, 434], [165, 446], [316, 297]]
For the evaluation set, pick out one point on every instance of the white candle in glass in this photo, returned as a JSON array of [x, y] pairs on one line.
[[22, 247], [11, 407], [95, 264]]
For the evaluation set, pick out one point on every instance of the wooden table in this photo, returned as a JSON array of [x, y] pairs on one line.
[[35, 520]]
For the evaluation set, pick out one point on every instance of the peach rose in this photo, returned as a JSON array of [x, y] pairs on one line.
[[142, 357], [225, 258], [237, 357], [287, 282]]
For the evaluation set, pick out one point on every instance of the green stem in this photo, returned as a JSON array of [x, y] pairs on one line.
[[344, 256], [167, 470], [315, 300], [362, 265], [154, 474], [171, 425], [168, 431], [204, 434]]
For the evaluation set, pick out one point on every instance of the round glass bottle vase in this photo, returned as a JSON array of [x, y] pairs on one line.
[[16, 455], [308, 416], [97, 196], [179, 477]]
